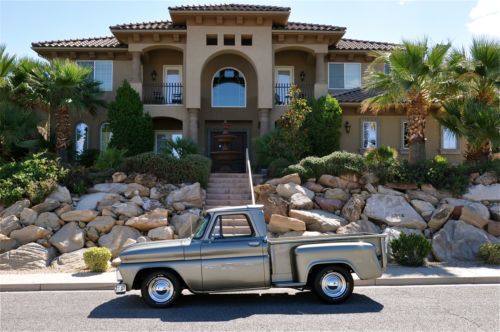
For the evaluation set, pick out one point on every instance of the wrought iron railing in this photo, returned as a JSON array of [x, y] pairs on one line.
[[281, 92], [162, 93]]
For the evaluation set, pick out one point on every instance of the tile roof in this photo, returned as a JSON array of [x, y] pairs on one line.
[[353, 95], [230, 7], [155, 25], [98, 42], [362, 45], [294, 26]]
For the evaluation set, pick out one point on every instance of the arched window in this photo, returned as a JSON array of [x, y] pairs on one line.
[[228, 89], [81, 138], [106, 135]]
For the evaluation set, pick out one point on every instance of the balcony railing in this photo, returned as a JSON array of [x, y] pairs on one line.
[[162, 93], [281, 92]]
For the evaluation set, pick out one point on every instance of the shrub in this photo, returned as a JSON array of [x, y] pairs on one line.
[[181, 147], [110, 158], [88, 157], [380, 155], [277, 166], [271, 147], [303, 172], [33, 178], [192, 168], [97, 259], [411, 249], [77, 180], [490, 253], [132, 128]]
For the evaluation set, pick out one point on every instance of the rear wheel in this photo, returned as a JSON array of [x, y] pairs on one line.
[[333, 284], [160, 289]]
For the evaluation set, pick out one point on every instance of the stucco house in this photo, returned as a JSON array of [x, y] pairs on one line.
[[235, 63]]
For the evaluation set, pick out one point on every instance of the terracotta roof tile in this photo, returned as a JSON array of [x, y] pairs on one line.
[[155, 25], [98, 42], [297, 26], [362, 45], [353, 95], [230, 7]]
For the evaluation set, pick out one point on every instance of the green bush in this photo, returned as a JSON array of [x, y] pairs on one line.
[[490, 253], [277, 166], [132, 128], [192, 168], [303, 172], [271, 147], [110, 158], [34, 178], [181, 147], [411, 249], [77, 180], [380, 155], [88, 157], [97, 259]]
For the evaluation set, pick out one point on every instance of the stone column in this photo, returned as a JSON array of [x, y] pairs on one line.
[[136, 82], [264, 121], [320, 86], [193, 123]]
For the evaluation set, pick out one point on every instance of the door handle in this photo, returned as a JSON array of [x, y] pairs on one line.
[[254, 243]]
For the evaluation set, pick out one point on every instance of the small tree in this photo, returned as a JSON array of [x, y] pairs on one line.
[[132, 128]]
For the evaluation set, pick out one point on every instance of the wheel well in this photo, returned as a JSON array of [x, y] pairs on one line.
[[144, 272], [316, 268]]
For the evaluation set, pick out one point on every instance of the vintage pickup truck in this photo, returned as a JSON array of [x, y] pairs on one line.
[[230, 251]]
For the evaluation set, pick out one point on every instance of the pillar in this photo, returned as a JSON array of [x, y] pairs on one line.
[[136, 82], [320, 86], [193, 123], [264, 121]]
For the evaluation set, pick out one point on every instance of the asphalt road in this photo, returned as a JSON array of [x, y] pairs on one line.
[[431, 308]]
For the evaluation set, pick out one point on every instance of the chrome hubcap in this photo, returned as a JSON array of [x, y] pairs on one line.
[[334, 284], [160, 289]]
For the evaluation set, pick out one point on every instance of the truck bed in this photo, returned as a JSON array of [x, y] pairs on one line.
[[281, 250]]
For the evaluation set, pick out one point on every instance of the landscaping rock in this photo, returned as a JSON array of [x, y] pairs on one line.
[[423, 196], [116, 240], [425, 209], [440, 217], [288, 189], [394, 211], [92, 234], [474, 206], [142, 239], [388, 191], [330, 205], [115, 188], [264, 189], [336, 182], [127, 209], [6, 243], [90, 201], [185, 224], [337, 193], [28, 234], [313, 186], [493, 228], [318, 220], [155, 193], [146, 180], [47, 206], [190, 196], [28, 216], [273, 204], [458, 241], [134, 189], [369, 178], [79, 215], [70, 261], [290, 178], [15, 209], [301, 202], [472, 218], [282, 224], [63, 209], [154, 219], [69, 238], [27, 257], [495, 211], [179, 207], [161, 233], [486, 179], [61, 194], [119, 177], [353, 208], [9, 224], [48, 220], [484, 193], [137, 200], [370, 188], [360, 226], [103, 224]]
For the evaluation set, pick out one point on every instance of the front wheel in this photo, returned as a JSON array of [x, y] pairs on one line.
[[333, 284], [160, 289]]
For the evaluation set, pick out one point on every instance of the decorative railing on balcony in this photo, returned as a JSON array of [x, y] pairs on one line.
[[281, 92], [162, 93]]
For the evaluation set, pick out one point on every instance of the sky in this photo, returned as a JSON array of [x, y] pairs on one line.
[[23, 22]]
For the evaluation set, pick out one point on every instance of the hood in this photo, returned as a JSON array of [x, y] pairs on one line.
[[154, 251]]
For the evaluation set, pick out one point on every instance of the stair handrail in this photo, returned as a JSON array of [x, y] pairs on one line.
[[249, 172]]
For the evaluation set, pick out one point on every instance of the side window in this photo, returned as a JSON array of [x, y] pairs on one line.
[[232, 226]]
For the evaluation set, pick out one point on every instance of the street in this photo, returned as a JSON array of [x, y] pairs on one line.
[[404, 308]]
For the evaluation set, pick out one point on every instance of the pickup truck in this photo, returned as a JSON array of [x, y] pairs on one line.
[[230, 251]]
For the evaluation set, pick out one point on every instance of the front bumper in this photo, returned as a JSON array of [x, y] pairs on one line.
[[120, 288]]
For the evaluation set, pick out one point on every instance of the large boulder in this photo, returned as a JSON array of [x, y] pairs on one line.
[[146, 180], [440, 216], [495, 211], [108, 200], [337, 193], [423, 196], [30, 256], [154, 219], [70, 261], [424, 208], [313, 186], [394, 211], [486, 179], [128, 209], [79, 215], [336, 182], [293, 178], [273, 204], [119, 177], [360, 226], [185, 224], [388, 191], [48, 220], [161, 233], [328, 204], [301, 202], [117, 238], [493, 228], [282, 224], [474, 206], [28, 216], [115, 188], [61, 194], [47, 206], [6, 243], [15, 209], [90, 201], [288, 189], [190, 196], [103, 224], [484, 193], [69, 238], [28, 234], [9, 224], [264, 189], [458, 241], [353, 208], [318, 220], [134, 189], [472, 218]]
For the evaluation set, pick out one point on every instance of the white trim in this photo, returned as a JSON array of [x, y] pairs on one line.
[[344, 63], [212, 89], [291, 69]]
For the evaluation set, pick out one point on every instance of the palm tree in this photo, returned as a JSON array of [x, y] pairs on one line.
[[412, 85], [7, 63], [475, 113], [63, 86]]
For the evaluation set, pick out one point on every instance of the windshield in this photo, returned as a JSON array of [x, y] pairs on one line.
[[201, 227]]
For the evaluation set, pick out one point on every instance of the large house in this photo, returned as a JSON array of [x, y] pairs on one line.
[[235, 63]]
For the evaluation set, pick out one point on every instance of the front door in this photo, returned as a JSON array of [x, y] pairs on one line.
[[233, 255], [228, 151]]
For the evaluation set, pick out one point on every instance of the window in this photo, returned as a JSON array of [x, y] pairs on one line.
[[161, 137], [102, 71], [211, 39], [246, 40], [81, 138], [228, 89], [449, 141], [369, 134], [405, 137], [231, 226], [106, 135], [344, 75], [229, 40], [387, 68]]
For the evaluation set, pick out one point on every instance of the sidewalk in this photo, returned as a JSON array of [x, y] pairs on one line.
[[395, 276]]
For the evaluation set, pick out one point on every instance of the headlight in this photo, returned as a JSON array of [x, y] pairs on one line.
[[118, 275]]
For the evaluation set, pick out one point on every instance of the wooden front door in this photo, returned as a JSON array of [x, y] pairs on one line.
[[228, 157]]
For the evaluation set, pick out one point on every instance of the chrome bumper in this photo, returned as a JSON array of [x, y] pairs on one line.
[[120, 288]]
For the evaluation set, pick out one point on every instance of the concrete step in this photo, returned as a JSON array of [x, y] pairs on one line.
[[233, 196], [229, 182], [230, 185], [227, 190]]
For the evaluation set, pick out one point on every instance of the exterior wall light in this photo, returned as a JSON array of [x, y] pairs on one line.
[[302, 76], [153, 75], [347, 127]]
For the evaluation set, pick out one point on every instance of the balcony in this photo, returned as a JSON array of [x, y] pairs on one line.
[[162, 94], [281, 92]]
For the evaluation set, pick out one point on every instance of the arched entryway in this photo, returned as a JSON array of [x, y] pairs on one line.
[[166, 128]]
